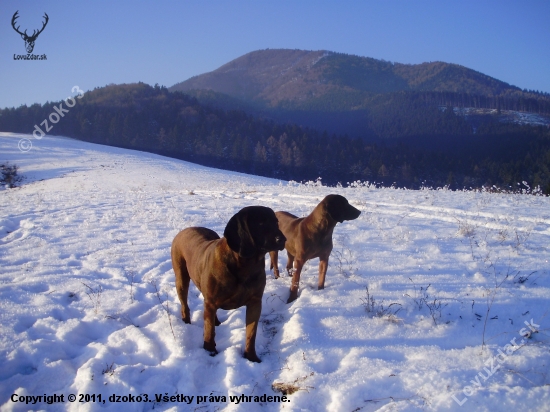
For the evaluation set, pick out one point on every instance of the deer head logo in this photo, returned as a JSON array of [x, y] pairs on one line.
[[29, 40]]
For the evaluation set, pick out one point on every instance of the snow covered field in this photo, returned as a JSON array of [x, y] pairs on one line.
[[88, 302]]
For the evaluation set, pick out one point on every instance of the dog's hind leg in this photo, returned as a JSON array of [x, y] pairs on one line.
[[182, 286]]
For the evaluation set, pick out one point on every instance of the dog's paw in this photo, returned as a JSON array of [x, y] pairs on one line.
[[185, 316], [252, 357], [210, 348], [293, 296]]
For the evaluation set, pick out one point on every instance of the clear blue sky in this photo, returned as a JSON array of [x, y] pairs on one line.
[[95, 43]]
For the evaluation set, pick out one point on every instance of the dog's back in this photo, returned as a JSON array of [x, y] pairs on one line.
[[288, 223], [188, 240]]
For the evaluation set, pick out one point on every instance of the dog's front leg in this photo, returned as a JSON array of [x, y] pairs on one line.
[[295, 280], [274, 257], [209, 328], [323, 266], [253, 311], [290, 264]]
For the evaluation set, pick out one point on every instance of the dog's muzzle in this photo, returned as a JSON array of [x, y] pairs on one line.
[[353, 213]]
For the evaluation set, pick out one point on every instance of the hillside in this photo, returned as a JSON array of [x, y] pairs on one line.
[[343, 93], [429, 147], [89, 303]]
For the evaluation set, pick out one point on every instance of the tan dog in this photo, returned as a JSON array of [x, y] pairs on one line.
[[310, 237], [230, 272]]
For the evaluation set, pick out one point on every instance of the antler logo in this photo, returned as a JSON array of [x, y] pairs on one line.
[[29, 40]]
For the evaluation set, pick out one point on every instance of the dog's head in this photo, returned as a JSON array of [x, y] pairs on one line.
[[339, 208], [254, 230]]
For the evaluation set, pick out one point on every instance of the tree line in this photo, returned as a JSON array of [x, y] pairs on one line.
[[430, 146]]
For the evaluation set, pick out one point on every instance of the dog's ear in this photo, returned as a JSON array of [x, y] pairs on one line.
[[335, 205], [339, 208], [238, 235]]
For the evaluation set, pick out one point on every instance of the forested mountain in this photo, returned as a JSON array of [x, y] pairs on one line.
[[345, 94], [153, 119]]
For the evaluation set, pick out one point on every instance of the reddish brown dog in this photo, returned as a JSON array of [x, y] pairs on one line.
[[310, 237], [230, 272]]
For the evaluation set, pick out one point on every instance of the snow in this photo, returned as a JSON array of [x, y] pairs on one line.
[[85, 246], [506, 116]]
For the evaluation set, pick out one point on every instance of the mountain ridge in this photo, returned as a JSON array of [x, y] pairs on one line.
[[349, 94], [274, 77]]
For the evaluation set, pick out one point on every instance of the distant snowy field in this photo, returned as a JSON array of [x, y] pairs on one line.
[[85, 246]]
